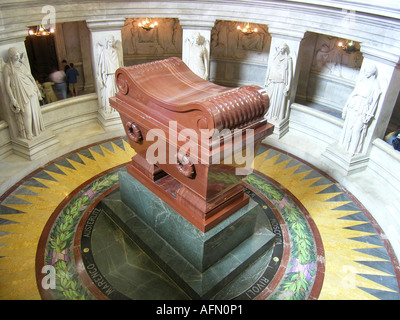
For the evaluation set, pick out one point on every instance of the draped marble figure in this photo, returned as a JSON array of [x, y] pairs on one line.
[[110, 59], [24, 95], [359, 110], [278, 82], [198, 56]]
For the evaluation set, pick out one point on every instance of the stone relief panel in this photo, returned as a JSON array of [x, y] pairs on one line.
[[236, 58], [330, 59], [228, 42], [163, 41], [332, 74]]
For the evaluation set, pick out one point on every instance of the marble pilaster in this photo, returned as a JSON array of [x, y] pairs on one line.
[[100, 31]]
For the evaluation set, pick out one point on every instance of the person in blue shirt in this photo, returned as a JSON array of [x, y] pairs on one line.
[[393, 139], [72, 75]]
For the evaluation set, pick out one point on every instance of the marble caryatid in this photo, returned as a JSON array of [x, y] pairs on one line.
[[110, 59], [198, 56], [278, 82], [359, 110], [24, 95]]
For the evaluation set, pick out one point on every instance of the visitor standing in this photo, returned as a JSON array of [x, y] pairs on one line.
[[60, 86], [41, 90], [49, 92], [72, 79], [66, 67]]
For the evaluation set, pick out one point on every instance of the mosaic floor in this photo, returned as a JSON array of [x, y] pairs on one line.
[[327, 246]]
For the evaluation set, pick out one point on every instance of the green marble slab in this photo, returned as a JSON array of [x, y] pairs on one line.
[[200, 263], [202, 250]]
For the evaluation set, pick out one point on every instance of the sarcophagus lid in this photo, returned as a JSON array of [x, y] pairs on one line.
[[165, 103], [168, 90]]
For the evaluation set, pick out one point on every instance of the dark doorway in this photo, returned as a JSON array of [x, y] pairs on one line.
[[42, 56]]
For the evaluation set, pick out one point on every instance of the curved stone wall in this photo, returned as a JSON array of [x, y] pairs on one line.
[[308, 132]]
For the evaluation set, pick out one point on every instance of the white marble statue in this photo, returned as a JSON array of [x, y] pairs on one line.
[[110, 59], [278, 82], [24, 95], [198, 55], [359, 109]]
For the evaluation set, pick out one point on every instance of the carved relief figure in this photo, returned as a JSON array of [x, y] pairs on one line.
[[228, 42], [198, 55], [164, 40], [110, 59], [252, 42], [24, 95], [170, 35], [218, 41], [322, 57], [278, 81], [359, 109], [129, 34], [331, 59]]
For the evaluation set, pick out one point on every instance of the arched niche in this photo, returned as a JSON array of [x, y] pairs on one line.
[[394, 123], [236, 58], [328, 72], [140, 45], [72, 43], [42, 55], [69, 42]]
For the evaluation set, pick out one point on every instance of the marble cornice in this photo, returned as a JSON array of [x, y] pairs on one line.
[[290, 18], [286, 33], [105, 24], [385, 8], [13, 36], [372, 52], [196, 24]]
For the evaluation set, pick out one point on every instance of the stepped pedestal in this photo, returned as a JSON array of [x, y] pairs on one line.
[[200, 263]]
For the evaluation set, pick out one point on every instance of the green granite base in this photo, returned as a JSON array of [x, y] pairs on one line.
[[200, 263]]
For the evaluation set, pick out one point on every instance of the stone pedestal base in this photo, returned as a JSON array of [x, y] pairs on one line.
[[35, 148], [281, 127], [109, 121], [200, 263], [344, 162]]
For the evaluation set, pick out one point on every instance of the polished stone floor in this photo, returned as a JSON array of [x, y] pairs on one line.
[[327, 246]]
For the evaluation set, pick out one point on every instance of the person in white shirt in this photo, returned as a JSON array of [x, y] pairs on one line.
[[60, 86]]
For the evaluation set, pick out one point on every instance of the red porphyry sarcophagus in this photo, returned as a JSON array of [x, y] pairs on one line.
[[188, 135]]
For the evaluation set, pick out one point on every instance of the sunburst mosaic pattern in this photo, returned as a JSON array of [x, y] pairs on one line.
[[357, 261], [26, 211], [357, 265]]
